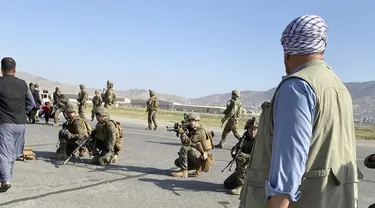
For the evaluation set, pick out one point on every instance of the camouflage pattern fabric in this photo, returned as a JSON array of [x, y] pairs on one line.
[[232, 116], [109, 98], [96, 102], [105, 137], [82, 99], [76, 130], [191, 149]]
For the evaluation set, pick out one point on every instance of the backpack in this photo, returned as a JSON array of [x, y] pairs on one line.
[[208, 143], [119, 136]]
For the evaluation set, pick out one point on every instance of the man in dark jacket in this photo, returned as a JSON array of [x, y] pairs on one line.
[[16, 101]]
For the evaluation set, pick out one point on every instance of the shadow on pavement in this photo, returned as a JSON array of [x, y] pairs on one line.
[[165, 143], [183, 185]]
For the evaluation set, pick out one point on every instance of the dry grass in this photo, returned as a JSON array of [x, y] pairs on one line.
[[168, 116], [362, 132]]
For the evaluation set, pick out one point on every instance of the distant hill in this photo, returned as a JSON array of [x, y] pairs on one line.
[[363, 94]]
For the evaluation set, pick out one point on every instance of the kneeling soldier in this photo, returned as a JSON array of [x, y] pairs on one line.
[[236, 180], [107, 137], [76, 129], [194, 153]]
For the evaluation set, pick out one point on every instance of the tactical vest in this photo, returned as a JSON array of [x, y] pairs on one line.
[[102, 134], [331, 176]]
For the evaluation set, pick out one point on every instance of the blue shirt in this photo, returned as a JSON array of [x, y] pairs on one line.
[[293, 118]]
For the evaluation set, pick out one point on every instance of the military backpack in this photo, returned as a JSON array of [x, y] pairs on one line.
[[119, 134]]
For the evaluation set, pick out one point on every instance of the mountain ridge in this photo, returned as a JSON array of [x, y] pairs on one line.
[[363, 94]]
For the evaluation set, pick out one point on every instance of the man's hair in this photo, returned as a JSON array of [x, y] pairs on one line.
[[8, 64]]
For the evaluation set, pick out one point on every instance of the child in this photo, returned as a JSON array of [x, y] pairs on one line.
[[47, 111]]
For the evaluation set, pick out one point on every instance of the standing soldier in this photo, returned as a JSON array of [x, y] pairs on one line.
[[232, 114], [109, 96], [152, 107], [56, 96], [82, 99], [96, 102]]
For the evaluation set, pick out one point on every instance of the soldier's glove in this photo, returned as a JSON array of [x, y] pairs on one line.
[[204, 155], [66, 134], [181, 131]]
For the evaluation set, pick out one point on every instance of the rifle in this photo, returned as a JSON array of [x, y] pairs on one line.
[[80, 144], [235, 152], [177, 126], [64, 128]]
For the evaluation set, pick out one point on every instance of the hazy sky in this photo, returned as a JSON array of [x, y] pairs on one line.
[[190, 48]]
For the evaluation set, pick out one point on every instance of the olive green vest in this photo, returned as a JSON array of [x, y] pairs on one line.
[[331, 175]]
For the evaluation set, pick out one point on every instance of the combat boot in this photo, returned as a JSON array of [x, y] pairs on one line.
[[219, 146], [114, 159], [148, 128], [236, 191], [181, 173], [156, 126]]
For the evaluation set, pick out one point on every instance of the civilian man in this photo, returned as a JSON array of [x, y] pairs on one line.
[[305, 152], [16, 101]]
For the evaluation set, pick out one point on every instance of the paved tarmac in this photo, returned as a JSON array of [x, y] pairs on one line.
[[141, 178]]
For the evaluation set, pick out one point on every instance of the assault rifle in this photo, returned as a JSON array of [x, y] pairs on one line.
[[177, 126], [235, 152], [80, 144]]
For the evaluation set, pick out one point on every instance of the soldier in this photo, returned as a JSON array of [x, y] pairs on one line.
[[82, 99], [194, 150], [56, 95], [232, 114], [76, 129], [236, 180], [107, 137], [109, 96], [250, 123], [152, 107], [60, 106], [96, 102]]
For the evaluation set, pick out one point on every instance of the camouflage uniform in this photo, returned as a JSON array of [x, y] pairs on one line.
[[109, 96], [82, 99], [237, 179], [76, 129], [191, 152], [152, 107], [106, 141], [96, 102], [232, 114], [60, 106]]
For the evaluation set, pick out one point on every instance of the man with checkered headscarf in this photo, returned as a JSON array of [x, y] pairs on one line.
[[305, 154]]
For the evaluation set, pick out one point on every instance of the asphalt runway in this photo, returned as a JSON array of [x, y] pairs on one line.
[[140, 178]]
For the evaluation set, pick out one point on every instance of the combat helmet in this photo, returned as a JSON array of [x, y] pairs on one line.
[[70, 108], [236, 93], [193, 116], [152, 93], [82, 86], [109, 83], [102, 111], [369, 162]]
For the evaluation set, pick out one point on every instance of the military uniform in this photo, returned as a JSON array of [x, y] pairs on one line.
[[82, 99], [232, 116], [60, 106], [108, 143], [236, 180], [109, 96], [96, 102], [152, 107], [192, 153], [76, 129]]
